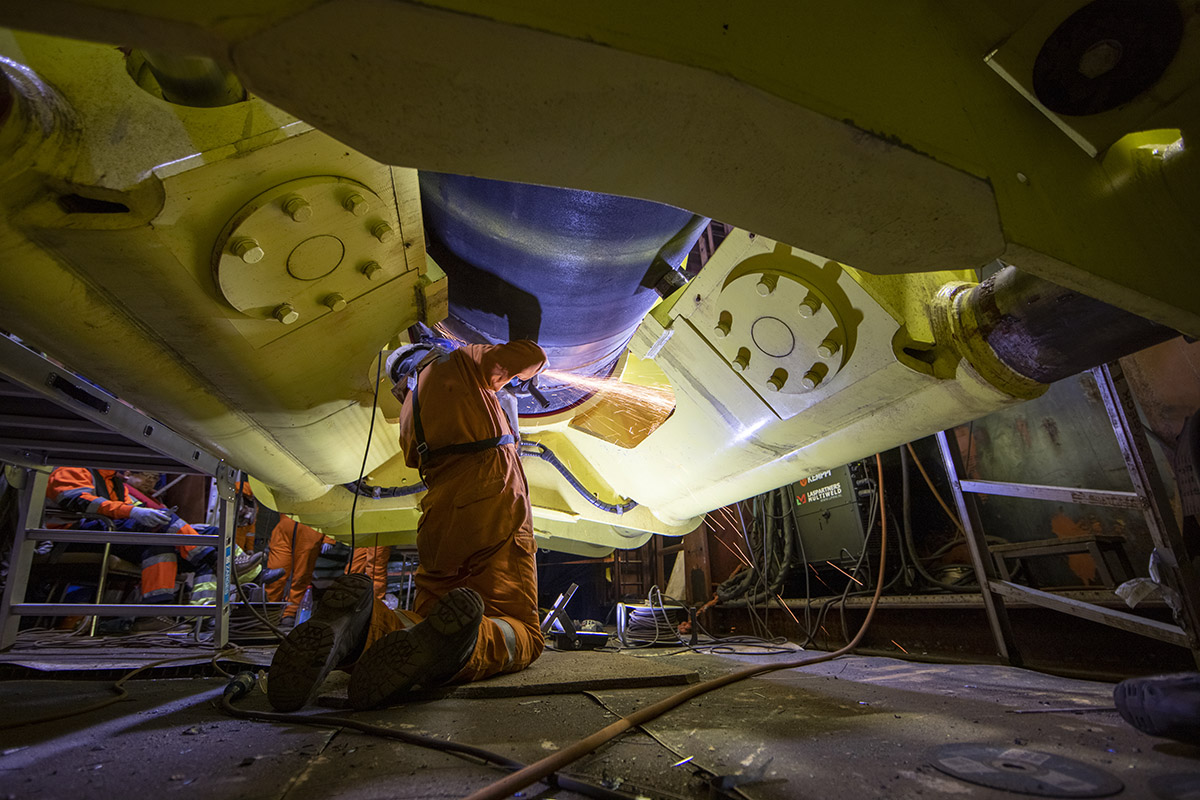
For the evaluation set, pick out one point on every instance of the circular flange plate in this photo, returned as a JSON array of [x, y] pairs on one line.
[[1015, 769], [781, 332], [305, 248]]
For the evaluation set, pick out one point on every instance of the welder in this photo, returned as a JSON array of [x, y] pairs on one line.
[[476, 601]]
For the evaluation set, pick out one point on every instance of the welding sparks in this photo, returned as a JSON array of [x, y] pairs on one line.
[[902, 650], [740, 557], [822, 580], [784, 606], [847, 574], [654, 399]]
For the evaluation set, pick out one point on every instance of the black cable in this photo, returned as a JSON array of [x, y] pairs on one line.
[[244, 682], [366, 449]]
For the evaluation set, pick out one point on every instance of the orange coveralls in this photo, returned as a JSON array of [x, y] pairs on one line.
[[74, 489], [293, 547], [476, 526]]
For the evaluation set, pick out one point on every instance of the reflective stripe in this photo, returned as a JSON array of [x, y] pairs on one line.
[[95, 506], [204, 593], [510, 638]]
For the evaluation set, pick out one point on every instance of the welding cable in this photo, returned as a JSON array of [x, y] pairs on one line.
[[536, 771], [382, 492], [366, 448], [538, 450], [906, 534], [118, 688], [244, 682], [938, 495]]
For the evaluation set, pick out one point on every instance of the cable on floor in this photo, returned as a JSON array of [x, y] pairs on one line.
[[538, 770], [244, 682]]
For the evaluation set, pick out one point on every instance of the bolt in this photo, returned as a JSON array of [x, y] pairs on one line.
[[828, 348], [372, 270], [742, 362], [356, 204], [383, 232], [723, 326], [766, 285], [777, 380], [1100, 58], [810, 305], [335, 302], [811, 379], [286, 313], [247, 250], [298, 209]]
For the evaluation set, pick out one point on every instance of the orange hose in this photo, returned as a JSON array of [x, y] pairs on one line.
[[526, 776]]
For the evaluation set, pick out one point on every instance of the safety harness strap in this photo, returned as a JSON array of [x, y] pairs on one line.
[[425, 455]]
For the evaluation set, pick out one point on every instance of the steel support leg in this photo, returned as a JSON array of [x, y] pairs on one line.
[[1177, 571], [29, 517], [985, 569]]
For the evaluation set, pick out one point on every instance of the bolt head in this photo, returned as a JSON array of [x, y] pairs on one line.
[[356, 204], [248, 250], [808, 306], [828, 348], [286, 313], [335, 302], [298, 209], [764, 288], [1101, 58], [372, 270], [383, 232], [811, 379]]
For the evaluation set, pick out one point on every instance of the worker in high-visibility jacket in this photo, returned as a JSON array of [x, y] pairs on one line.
[[476, 604], [103, 492]]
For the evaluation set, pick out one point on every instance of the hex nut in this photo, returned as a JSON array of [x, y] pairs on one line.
[[810, 305], [356, 204], [247, 250], [298, 209], [383, 232], [286, 313], [335, 302]]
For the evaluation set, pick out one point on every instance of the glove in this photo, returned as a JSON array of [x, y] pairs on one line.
[[518, 388], [326, 547], [149, 517]]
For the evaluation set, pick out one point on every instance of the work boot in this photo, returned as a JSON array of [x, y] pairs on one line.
[[270, 575], [155, 624], [428, 654], [246, 565], [313, 648], [1162, 705]]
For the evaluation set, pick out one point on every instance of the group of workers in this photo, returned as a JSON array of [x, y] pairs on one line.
[[475, 612], [110, 499]]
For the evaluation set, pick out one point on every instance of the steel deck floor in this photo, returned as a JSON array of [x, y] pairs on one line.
[[858, 727]]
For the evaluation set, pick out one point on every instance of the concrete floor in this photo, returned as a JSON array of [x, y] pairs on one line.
[[858, 727]]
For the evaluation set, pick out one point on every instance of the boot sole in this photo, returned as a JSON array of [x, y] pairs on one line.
[[398, 661], [308, 654]]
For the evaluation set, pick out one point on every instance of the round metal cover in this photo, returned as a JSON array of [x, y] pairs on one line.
[[1106, 54], [1016, 769], [1176, 787]]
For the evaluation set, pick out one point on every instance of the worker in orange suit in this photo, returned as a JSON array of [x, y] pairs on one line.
[[247, 516], [103, 492], [293, 547], [476, 609], [372, 561]]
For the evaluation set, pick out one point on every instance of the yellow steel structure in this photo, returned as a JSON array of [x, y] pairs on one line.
[[237, 270]]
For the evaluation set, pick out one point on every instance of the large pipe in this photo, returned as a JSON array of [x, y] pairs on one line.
[[1044, 332], [576, 271]]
